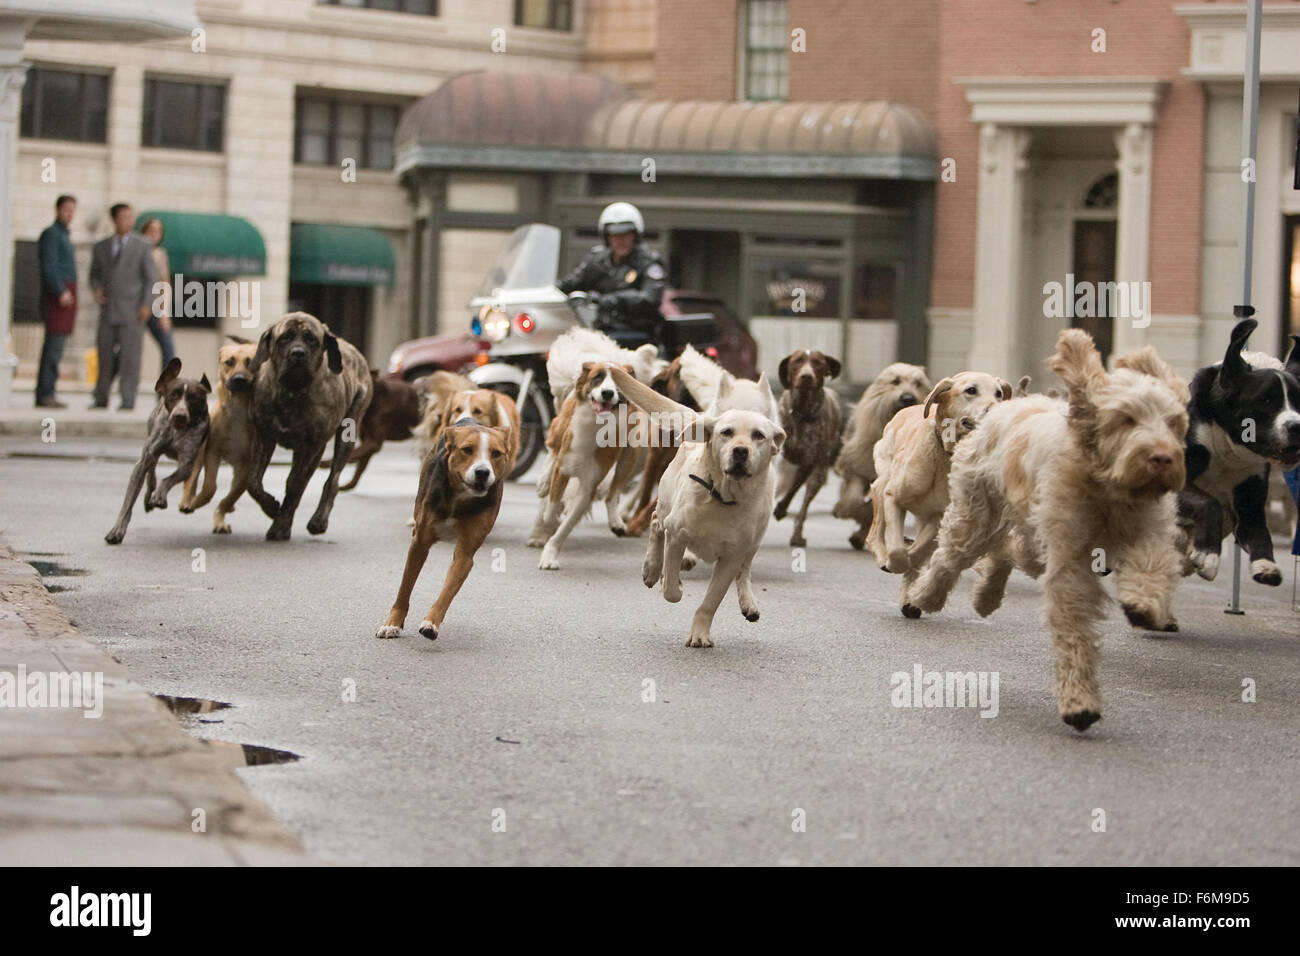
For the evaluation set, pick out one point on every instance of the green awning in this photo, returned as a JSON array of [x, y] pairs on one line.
[[340, 255], [207, 244]]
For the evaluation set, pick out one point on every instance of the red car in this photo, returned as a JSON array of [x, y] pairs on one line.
[[735, 349]]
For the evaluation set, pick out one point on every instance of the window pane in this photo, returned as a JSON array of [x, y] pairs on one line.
[[383, 123], [533, 13], [350, 131], [214, 116], [60, 105], [177, 108], [799, 288], [95, 106], [874, 290], [427, 7]]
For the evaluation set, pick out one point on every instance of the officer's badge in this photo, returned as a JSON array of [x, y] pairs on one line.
[[655, 271], [630, 277]]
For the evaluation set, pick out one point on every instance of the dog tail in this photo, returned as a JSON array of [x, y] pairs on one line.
[[701, 376], [647, 399]]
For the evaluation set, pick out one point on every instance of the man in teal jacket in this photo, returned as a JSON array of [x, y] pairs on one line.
[[58, 298]]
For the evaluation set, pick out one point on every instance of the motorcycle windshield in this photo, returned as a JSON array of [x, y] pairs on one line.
[[528, 260]]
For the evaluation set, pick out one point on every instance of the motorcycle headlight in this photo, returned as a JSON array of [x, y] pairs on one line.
[[496, 325]]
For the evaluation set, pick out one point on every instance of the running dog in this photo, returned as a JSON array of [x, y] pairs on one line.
[[178, 428], [897, 387], [1071, 491], [1245, 415], [715, 499], [810, 417], [459, 498], [913, 458], [309, 386], [230, 435]]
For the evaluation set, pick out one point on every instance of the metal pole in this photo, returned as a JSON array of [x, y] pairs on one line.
[[1249, 139]]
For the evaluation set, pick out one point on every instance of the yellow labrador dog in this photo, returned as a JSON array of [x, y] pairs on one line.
[[715, 498]]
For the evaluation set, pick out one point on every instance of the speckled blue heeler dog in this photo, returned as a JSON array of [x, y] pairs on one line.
[[177, 428]]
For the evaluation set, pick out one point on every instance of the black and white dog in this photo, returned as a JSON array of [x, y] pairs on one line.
[[1244, 415]]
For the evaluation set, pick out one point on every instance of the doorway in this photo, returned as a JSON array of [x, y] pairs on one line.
[[707, 261], [344, 308], [1290, 283], [1094, 262]]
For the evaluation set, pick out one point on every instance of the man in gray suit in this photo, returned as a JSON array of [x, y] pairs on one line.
[[122, 275]]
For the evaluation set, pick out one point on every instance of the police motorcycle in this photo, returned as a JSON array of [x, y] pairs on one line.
[[519, 313]]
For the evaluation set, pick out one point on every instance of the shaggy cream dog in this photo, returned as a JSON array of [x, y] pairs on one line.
[[1072, 491], [898, 386], [913, 457]]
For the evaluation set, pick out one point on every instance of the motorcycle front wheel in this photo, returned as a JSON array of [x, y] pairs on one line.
[[534, 419]]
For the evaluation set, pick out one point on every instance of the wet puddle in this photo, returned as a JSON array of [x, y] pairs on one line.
[[190, 711], [52, 569]]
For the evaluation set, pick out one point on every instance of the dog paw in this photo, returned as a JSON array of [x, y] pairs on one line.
[[388, 631], [538, 539], [699, 639], [899, 562], [619, 531], [223, 528], [650, 574], [779, 513], [910, 611], [750, 614], [318, 525], [185, 509], [115, 536], [689, 561], [429, 629], [154, 501], [278, 532], [1206, 564], [672, 594], [798, 541], [986, 604], [1147, 619], [1266, 572], [550, 561], [858, 541], [1081, 720]]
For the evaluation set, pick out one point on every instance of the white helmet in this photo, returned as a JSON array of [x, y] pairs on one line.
[[617, 216]]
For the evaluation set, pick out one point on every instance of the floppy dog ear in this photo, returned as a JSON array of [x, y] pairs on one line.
[[263, 350], [944, 387], [832, 367], [1148, 362], [783, 372], [1293, 360], [701, 429], [503, 413], [205, 384], [1234, 366], [778, 438], [170, 372], [1005, 389], [239, 339], [434, 482], [332, 352]]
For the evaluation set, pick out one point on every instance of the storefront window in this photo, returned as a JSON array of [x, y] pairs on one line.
[[796, 287], [875, 292]]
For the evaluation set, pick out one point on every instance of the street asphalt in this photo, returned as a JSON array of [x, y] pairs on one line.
[[560, 719]]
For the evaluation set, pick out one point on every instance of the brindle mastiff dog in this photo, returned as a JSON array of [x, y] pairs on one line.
[[309, 385]]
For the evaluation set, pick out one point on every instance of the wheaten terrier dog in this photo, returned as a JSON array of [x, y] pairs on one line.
[[1072, 491]]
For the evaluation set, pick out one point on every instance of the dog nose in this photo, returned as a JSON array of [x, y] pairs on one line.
[[1160, 460], [482, 473], [907, 398], [298, 352], [740, 454], [1293, 433], [607, 394]]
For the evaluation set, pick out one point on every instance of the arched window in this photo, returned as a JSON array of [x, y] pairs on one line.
[[1104, 193]]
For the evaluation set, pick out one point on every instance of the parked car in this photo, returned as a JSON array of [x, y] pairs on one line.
[[451, 352], [735, 349]]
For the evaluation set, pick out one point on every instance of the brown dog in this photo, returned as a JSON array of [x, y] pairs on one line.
[[393, 415], [810, 416], [230, 436], [309, 386], [178, 427], [459, 498]]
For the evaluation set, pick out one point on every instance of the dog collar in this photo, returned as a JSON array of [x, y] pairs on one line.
[[708, 483]]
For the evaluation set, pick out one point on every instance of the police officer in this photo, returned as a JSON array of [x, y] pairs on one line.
[[624, 277]]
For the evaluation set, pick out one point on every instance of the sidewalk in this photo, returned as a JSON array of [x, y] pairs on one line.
[[120, 789], [23, 418]]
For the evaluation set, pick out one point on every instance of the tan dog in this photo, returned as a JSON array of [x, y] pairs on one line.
[[715, 499], [459, 498], [912, 461], [230, 437], [1070, 491], [897, 387]]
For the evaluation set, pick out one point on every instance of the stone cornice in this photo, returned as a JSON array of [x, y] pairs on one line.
[[1062, 101]]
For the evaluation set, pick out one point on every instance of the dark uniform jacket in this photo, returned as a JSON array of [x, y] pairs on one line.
[[629, 292]]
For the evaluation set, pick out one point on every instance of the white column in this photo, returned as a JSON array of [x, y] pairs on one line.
[[999, 217], [13, 71], [1133, 228]]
